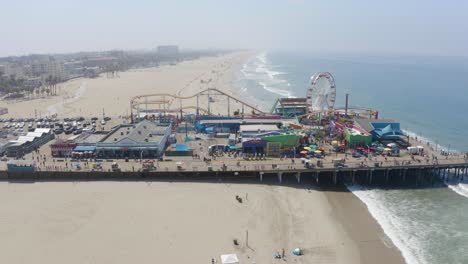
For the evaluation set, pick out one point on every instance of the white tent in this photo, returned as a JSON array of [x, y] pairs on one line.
[[229, 259]]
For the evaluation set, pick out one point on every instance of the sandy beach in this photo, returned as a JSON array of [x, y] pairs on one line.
[[89, 97], [159, 222]]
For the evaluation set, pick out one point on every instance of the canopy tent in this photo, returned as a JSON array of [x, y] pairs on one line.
[[229, 259], [181, 147]]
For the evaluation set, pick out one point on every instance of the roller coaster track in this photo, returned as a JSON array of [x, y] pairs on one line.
[[135, 101]]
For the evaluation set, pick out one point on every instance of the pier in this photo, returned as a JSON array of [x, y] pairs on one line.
[[386, 176]]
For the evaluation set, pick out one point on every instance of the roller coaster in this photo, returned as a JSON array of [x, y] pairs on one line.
[[165, 102]]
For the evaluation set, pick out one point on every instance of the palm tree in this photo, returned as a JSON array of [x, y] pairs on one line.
[[48, 81], [55, 82]]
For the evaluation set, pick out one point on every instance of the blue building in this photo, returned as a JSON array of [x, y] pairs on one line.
[[381, 129]]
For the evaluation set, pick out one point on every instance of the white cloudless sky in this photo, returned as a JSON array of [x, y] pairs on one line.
[[410, 26]]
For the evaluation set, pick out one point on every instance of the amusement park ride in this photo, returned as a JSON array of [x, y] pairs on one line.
[[319, 102]]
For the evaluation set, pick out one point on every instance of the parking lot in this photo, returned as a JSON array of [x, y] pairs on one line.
[[67, 126]]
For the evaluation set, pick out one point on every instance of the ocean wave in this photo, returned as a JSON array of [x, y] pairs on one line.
[[261, 71], [277, 91], [458, 186], [394, 226], [262, 57]]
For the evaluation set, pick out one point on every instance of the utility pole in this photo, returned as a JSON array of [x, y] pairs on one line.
[[346, 105]]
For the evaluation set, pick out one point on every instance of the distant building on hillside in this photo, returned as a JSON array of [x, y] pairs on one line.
[[13, 69], [168, 52], [49, 67], [101, 62]]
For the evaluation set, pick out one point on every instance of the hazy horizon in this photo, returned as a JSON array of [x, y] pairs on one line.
[[400, 27]]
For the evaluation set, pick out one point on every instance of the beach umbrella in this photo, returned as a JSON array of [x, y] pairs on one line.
[[318, 151], [387, 149], [307, 148], [297, 252]]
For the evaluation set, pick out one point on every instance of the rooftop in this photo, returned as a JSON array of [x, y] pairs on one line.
[[241, 121], [293, 102], [259, 128], [366, 123], [145, 131], [89, 138]]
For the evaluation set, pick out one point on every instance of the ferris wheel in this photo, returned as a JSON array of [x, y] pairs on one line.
[[321, 93]]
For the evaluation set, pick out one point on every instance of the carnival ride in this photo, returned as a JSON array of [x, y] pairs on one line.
[[165, 103], [320, 100], [321, 93]]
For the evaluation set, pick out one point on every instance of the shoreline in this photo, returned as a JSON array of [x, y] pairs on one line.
[[373, 243]]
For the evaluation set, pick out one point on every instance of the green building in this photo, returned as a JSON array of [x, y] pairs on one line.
[[279, 144], [357, 138]]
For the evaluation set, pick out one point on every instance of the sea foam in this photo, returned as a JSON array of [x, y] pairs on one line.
[[395, 227]]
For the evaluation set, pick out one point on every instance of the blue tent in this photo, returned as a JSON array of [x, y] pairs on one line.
[[181, 147]]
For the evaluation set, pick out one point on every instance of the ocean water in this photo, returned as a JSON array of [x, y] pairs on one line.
[[428, 96]]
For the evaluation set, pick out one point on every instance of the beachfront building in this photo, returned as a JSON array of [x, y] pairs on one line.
[[257, 131], [143, 140], [21, 165], [168, 52], [290, 107], [49, 67], [280, 145], [268, 139], [381, 129], [357, 137], [208, 124], [29, 142], [62, 148]]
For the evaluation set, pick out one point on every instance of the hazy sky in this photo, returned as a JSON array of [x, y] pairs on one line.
[[397, 26]]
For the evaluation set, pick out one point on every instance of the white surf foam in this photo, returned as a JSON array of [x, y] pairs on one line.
[[458, 186], [393, 225], [269, 79], [277, 91]]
